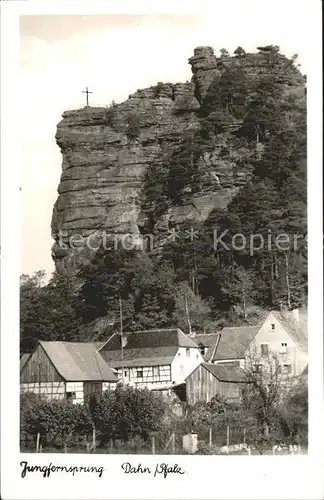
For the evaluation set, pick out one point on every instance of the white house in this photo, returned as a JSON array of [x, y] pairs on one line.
[[152, 358], [282, 334]]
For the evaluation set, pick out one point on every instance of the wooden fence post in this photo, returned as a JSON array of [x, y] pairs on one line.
[[37, 442], [88, 448], [227, 436], [173, 443], [210, 436], [94, 439], [40, 448], [65, 448], [244, 436], [153, 445]]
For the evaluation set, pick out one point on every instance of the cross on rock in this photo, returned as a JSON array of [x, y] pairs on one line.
[[87, 92]]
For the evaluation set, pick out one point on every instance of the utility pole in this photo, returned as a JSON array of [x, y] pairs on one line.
[[187, 313], [39, 377], [121, 337]]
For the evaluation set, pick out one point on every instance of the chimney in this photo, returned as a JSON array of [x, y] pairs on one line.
[[124, 341], [284, 310], [295, 315], [192, 335]]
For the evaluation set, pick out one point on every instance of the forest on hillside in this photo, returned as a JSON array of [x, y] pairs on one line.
[[200, 283]]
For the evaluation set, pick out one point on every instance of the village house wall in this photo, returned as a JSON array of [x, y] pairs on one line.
[[108, 386], [273, 334], [50, 390], [145, 376], [184, 362], [202, 386], [74, 392], [39, 368]]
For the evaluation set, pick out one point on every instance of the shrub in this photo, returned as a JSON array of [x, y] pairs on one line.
[[56, 421], [204, 448], [126, 413], [133, 128]]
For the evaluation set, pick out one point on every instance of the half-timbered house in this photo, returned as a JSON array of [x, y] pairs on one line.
[[65, 370], [152, 358]]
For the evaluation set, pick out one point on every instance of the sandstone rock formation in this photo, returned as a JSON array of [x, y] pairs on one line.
[[107, 151]]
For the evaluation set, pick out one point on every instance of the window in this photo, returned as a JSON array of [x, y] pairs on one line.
[[181, 370], [70, 396], [188, 351], [139, 374], [264, 349], [273, 326], [258, 368], [155, 373], [202, 349], [286, 369], [283, 348]]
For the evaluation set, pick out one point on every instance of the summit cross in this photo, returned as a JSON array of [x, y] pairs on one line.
[[87, 92]]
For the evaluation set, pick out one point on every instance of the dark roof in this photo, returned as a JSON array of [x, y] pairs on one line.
[[226, 373], [146, 348], [78, 361], [147, 356], [99, 345], [151, 338], [298, 331], [23, 360], [208, 340], [234, 341]]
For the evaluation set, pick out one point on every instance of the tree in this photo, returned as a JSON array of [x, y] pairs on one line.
[[261, 115], [293, 413], [191, 312], [126, 412], [268, 386], [224, 53], [239, 51], [109, 275], [154, 303], [47, 311], [57, 422], [238, 286]]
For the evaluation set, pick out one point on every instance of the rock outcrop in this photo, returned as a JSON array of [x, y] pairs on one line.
[[107, 151]]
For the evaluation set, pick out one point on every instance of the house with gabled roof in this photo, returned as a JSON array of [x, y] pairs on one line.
[[207, 343], [65, 370], [155, 359], [23, 360], [282, 334], [233, 343]]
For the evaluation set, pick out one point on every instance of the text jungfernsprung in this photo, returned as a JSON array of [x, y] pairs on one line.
[[47, 469]]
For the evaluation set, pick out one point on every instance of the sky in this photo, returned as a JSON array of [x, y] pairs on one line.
[[114, 55]]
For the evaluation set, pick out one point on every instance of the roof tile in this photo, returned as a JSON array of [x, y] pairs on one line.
[[234, 341], [78, 361]]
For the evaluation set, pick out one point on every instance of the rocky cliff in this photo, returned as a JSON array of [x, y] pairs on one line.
[[108, 154]]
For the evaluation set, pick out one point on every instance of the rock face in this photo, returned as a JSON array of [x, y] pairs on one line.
[[107, 151], [204, 69]]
